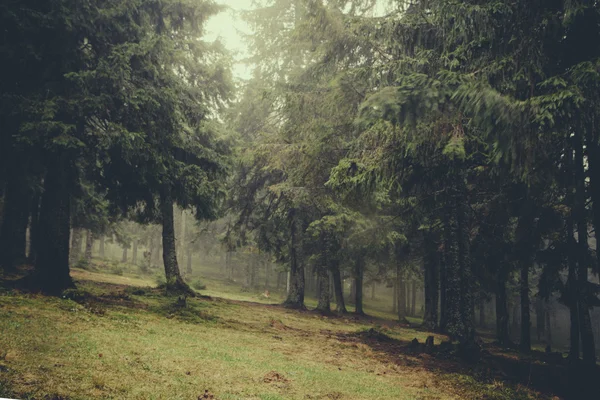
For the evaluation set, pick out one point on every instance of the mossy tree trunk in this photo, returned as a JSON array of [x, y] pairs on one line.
[[124, 257], [175, 283], [324, 304], [295, 297], [52, 263]]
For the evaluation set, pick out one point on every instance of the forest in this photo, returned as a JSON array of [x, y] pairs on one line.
[[398, 200]]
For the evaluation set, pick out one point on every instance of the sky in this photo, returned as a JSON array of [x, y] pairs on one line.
[[228, 26]]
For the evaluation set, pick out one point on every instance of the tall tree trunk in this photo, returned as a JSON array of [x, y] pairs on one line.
[[443, 325], [524, 250], [593, 158], [101, 251], [124, 256], [359, 271], [338, 289], [134, 252], [413, 295], [182, 237], [295, 298], [13, 233], [175, 282], [323, 305], [89, 244], [400, 292], [34, 228], [585, 323], [52, 263], [395, 296], [76, 242], [482, 323]]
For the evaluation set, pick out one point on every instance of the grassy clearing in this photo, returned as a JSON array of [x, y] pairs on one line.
[[119, 341]]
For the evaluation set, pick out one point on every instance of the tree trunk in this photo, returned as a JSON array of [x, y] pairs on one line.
[[295, 298], [395, 296], [400, 293], [175, 282], [525, 247], [34, 230], [413, 300], [76, 241], [101, 252], [124, 257], [13, 233], [482, 309], [134, 252], [89, 244], [359, 271], [338, 289], [585, 323], [52, 264], [443, 325], [323, 305]]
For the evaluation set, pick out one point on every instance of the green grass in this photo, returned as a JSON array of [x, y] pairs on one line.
[[124, 340]]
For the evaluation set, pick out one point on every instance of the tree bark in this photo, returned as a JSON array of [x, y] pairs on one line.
[[413, 295], [124, 257], [524, 248], [338, 289], [395, 296], [359, 271], [400, 293], [34, 228], [13, 233], [482, 323], [175, 282], [430, 260], [52, 264], [323, 305], [585, 323], [89, 244], [295, 298]]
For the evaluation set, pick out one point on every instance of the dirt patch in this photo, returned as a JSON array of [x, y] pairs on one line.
[[276, 324], [275, 377], [207, 395]]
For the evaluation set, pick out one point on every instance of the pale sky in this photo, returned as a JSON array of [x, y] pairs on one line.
[[227, 26]]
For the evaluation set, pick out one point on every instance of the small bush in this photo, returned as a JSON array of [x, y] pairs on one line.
[[198, 285], [117, 270], [160, 280]]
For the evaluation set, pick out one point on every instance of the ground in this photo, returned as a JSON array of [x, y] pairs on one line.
[[117, 337]]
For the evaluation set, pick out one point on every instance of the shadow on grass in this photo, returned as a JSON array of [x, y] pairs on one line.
[[538, 371]]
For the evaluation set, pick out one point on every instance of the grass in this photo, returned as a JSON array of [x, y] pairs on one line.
[[122, 339]]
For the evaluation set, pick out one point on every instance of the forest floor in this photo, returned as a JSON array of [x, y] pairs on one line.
[[118, 337]]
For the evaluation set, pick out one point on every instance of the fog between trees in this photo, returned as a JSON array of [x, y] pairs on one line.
[[442, 157]]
